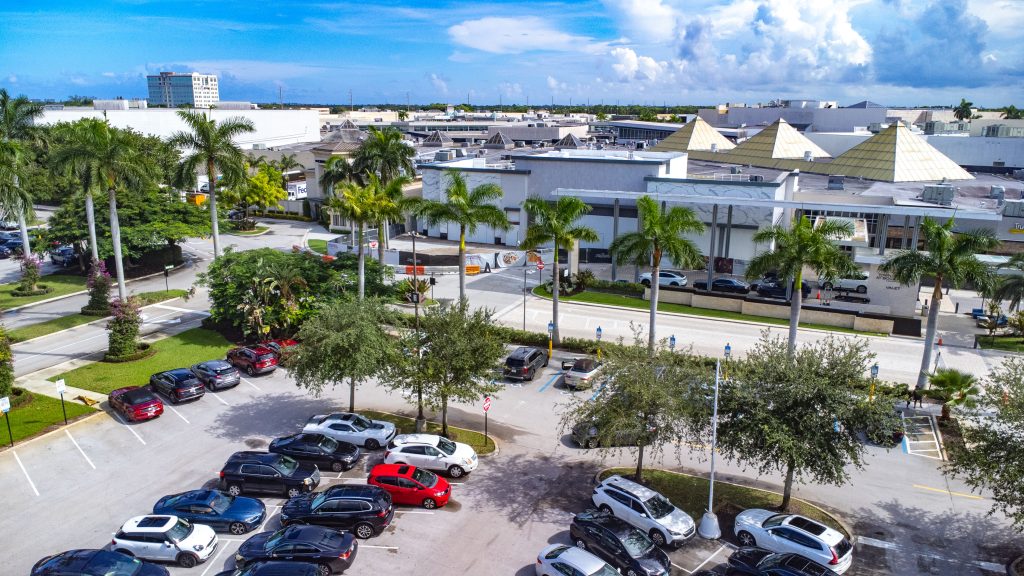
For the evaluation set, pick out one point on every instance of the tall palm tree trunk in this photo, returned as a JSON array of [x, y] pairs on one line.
[[929, 335], [90, 217], [794, 313], [444, 416], [212, 175], [462, 263], [23, 228], [380, 243], [351, 394], [655, 286], [362, 263], [554, 297], [115, 237]]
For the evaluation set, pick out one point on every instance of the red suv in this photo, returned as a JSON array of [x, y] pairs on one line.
[[253, 359], [135, 404], [280, 346], [411, 485]]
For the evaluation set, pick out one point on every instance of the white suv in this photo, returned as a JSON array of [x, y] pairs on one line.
[[665, 278], [165, 538], [433, 453], [645, 509], [857, 283], [797, 534]]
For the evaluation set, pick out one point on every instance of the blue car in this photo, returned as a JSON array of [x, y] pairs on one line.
[[220, 511]]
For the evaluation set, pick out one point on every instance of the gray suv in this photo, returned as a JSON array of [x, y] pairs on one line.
[[524, 363]]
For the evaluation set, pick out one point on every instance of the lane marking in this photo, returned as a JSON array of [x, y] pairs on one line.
[[708, 559], [942, 491], [681, 568], [877, 543], [219, 399], [176, 309], [265, 520], [70, 437], [990, 566], [125, 424], [51, 350], [168, 405], [250, 384], [376, 547], [25, 472], [551, 381], [413, 512], [598, 391], [210, 562]]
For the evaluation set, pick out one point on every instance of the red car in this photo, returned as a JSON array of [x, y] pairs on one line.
[[253, 359], [135, 403], [411, 485], [280, 345]]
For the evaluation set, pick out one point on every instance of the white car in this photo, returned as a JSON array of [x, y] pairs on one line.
[[665, 278], [562, 560], [583, 373], [792, 533], [433, 453], [165, 539], [352, 428], [858, 284], [644, 508]]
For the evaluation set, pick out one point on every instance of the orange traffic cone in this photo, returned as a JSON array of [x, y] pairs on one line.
[[940, 340], [819, 293]]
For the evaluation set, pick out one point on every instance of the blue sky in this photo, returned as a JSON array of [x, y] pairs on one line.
[[896, 52]]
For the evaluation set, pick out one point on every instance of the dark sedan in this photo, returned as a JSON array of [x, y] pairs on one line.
[[724, 285], [217, 374], [619, 544], [275, 569], [317, 449], [778, 290], [361, 509], [179, 385], [760, 562], [220, 511], [95, 563], [333, 551]]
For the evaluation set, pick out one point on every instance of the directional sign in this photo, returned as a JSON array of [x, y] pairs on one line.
[[487, 403], [5, 404], [169, 267], [540, 265], [61, 387]]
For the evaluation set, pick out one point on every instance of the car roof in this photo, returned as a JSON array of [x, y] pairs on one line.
[[309, 533], [180, 373], [406, 439], [286, 568], [259, 349], [585, 365], [215, 364], [355, 491], [154, 523], [392, 470], [254, 456], [616, 526], [640, 491], [581, 560], [195, 497], [522, 352], [817, 529]]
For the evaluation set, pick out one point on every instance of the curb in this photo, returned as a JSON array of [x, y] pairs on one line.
[[497, 448], [247, 235], [102, 319]]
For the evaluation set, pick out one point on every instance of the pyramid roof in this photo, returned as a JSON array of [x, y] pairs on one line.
[[897, 155], [348, 124], [438, 138], [695, 135], [498, 140], [570, 141], [778, 141]]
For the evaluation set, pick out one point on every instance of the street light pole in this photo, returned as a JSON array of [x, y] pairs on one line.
[[526, 268], [415, 284], [709, 528]]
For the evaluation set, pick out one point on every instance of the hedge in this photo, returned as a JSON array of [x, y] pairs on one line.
[[282, 216]]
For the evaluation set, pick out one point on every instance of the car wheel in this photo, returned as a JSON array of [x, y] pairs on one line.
[[827, 286], [187, 560], [429, 503], [371, 444], [592, 443], [545, 364], [249, 370], [746, 538], [234, 489], [294, 492], [646, 283], [657, 537], [532, 375], [323, 570], [456, 471], [631, 573], [606, 509], [862, 289], [337, 467], [237, 528], [363, 531], [581, 544]]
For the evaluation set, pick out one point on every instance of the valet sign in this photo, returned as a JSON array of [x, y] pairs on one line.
[[1017, 229]]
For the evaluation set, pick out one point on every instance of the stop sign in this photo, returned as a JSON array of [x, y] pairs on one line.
[[540, 265], [487, 403]]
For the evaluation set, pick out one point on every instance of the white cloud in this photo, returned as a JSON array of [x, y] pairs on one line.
[[109, 75], [510, 89], [253, 71], [438, 83], [555, 86], [12, 79], [629, 66], [645, 20], [499, 35]]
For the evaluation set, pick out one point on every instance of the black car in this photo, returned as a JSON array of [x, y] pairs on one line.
[[778, 290], [217, 374], [724, 285], [63, 256], [317, 449], [179, 385], [361, 509], [525, 362], [623, 546], [95, 563], [14, 245], [252, 471], [588, 435], [269, 568], [333, 551], [760, 562], [220, 511], [5, 252]]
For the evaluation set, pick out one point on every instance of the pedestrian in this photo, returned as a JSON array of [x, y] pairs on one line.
[[918, 397], [909, 396]]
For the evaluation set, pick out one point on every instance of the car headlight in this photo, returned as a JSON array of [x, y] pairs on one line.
[[466, 461], [307, 481], [239, 558], [198, 547], [256, 518], [674, 533]]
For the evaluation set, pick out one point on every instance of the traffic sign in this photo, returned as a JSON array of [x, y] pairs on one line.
[[169, 267], [373, 244], [61, 387], [5, 404], [487, 403], [540, 265]]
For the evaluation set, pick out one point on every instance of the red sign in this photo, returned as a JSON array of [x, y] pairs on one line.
[[373, 244], [540, 265], [487, 403]]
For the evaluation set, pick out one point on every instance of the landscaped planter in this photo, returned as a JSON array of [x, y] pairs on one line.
[[144, 351], [39, 291]]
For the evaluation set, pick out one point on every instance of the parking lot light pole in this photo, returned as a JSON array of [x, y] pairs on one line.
[[672, 343], [874, 377], [551, 335], [709, 528], [598, 342]]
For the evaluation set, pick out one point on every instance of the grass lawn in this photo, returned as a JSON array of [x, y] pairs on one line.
[[1008, 343], [257, 230], [147, 298], [38, 415], [72, 320], [180, 351], [690, 493], [408, 426], [318, 246], [62, 285], [619, 300]]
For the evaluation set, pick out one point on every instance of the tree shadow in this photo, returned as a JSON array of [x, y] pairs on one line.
[[271, 415]]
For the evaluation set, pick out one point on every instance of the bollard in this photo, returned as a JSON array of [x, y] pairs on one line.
[[956, 308]]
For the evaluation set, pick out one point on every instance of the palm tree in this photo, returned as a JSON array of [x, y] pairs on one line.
[[113, 161], [660, 233], [950, 260], [392, 205], [358, 204], [802, 245], [68, 157], [386, 154], [1012, 113], [556, 224], [469, 209], [17, 122], [286, 163], [11, 194], [964, 110], [211, 146], [337, 170], [1011, 287], [956, 389]]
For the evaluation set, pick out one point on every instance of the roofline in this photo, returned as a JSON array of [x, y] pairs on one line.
[[474, 169]]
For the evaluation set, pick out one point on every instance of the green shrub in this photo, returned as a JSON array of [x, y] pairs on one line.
[[98, 284], [6, 364], [123, 339], [624, 288]]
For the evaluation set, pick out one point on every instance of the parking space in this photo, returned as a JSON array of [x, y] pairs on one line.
[[699, 554], [921, 437]]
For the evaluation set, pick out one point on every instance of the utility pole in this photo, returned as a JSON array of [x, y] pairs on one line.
[[280, 95], [351, 106], [407, 107]]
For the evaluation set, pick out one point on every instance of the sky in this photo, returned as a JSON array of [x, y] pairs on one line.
[[894, 52]]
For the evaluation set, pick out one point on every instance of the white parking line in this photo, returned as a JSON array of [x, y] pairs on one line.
[[681, 568], [213, 561], [118, 416], [23, 359], [171, 408], [708, 559], [378, 547], [27, 477], [413, 512], [73, 441], [219, 399], [176, 309], [251, 384]]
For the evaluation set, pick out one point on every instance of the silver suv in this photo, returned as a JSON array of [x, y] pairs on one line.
[[645, 509], [166, 539]]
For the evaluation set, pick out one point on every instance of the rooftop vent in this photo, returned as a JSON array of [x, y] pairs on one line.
[[1014, 209], [735, 170], [837, 182], [939, 194], [997, 192], [714, 147], [808, 156]]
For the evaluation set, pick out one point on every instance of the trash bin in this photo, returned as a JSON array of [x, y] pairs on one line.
[[924, 310]]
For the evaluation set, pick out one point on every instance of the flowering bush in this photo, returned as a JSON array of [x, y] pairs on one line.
[[124, 327], [98, 283], [30, 265]]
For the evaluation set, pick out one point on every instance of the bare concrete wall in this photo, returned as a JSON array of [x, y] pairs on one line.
[[716, 303], [873, 325], [765, 309], [827, 318]]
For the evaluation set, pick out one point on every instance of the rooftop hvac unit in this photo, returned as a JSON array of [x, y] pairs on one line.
[[836, 182], [1013, 209], [756, 178], [259, 146], [714, 147], [641, 145], [444, 155], [997, 192], [939, 194], [735, 170], [808, 156], [460, 153]]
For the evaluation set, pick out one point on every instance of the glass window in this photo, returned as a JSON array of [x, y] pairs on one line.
[[406, 483], [637, 543], [428, 479], [179, 531], [286, 465], [415, 450], [659, 506], [774, 521], [446, 446], [110, 564], [328, 445]]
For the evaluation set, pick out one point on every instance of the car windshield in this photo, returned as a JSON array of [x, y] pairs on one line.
[[774, 521], [637, 543], [329, 444], [286, 465], [179, 531], [224, 370], [584, 365], [359, 424], [360, 421], [317, 501], [428, 479], [274, 539], [138, 396], [446, 446], [605, 570], [266, 356], [221, 503], [659, 506], [110, 564]]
